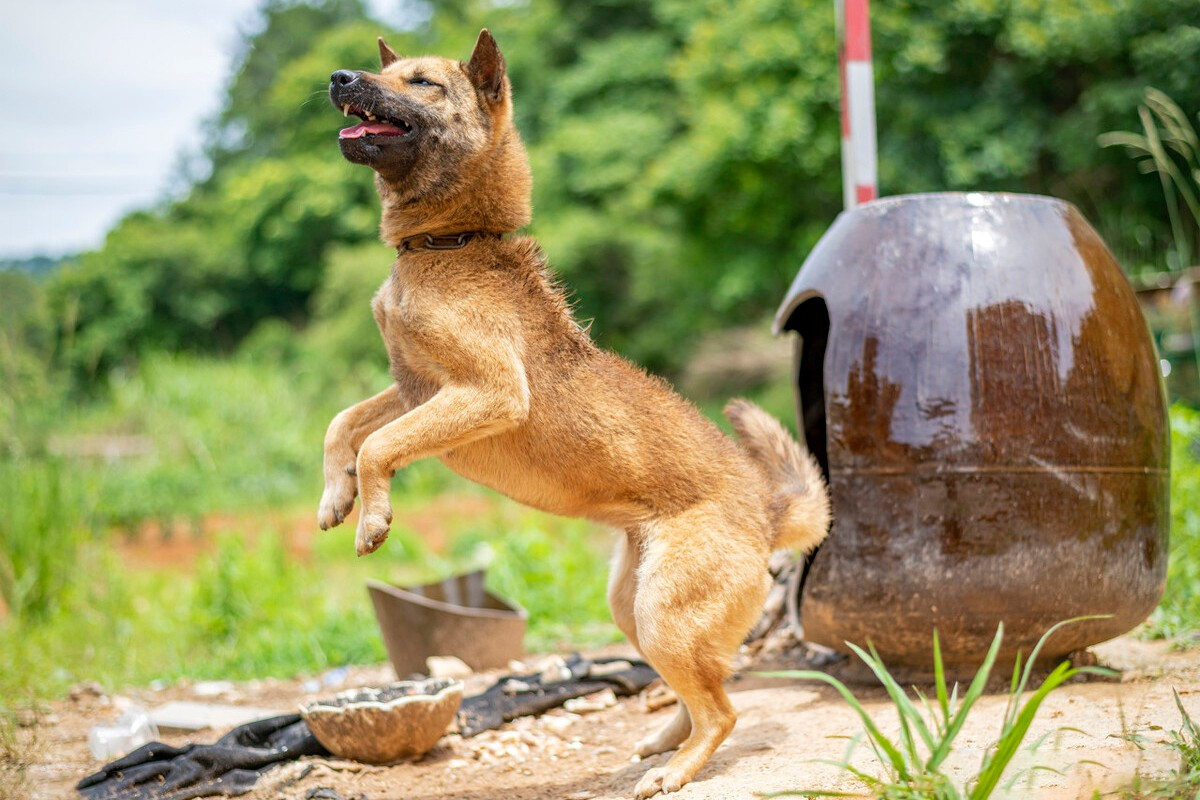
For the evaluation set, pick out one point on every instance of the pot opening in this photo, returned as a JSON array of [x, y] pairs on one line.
[[810, 321]]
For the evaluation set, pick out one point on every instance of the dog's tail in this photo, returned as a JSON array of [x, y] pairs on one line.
[[801, 500]]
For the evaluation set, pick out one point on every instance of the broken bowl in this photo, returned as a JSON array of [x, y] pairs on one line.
[[378, 726]]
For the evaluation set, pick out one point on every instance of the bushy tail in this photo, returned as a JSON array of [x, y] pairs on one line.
[[801, 502]]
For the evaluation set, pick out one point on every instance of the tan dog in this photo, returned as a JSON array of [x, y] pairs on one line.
[[495, 377]]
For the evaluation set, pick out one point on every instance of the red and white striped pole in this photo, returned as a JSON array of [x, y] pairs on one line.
[[859, 162]]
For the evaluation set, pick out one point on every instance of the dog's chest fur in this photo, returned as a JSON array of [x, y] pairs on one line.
[[399, 324]]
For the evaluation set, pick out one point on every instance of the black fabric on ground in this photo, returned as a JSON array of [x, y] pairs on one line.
[[231, 766], [525, 695]]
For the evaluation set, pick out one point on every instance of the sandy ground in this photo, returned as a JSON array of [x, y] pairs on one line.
[[785, 730]]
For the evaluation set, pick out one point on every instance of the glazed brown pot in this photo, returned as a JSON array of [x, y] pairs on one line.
[[978, 381]]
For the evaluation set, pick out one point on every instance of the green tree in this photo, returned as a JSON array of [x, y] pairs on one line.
[[247, 127], [685, 153]]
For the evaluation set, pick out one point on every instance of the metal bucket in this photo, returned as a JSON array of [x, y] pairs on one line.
[[975, 376]]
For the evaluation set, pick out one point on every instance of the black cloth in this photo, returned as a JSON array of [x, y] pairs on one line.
[[232, 765], [526, 695]]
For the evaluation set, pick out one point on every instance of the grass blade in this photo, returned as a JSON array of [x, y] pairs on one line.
[[939, 679], [1012, 736], [974, 692], [910, 718], [876, 736]]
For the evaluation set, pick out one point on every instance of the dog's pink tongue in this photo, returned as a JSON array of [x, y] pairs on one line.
[[375, 128]]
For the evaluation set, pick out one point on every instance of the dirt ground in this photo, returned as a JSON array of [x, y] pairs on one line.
[[785, 730]]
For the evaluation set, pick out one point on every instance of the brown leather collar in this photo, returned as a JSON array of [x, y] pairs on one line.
[[449, 241]]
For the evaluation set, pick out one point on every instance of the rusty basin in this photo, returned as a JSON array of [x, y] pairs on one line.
[[977, 380], [453, 617]]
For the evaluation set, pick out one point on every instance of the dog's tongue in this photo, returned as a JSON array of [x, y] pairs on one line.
[[374, 128]]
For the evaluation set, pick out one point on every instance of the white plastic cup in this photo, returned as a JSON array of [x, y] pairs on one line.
[[133, 729]]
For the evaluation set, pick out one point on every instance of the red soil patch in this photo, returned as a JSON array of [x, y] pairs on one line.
[[178, 546]]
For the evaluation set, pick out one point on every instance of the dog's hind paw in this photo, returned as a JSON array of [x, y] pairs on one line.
[[659, 779], [670, 737], [372, 531]]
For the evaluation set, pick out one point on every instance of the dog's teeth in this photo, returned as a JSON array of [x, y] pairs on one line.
[[371, 117], [346, 110]]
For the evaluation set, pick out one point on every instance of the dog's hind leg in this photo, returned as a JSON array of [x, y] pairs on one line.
[[622, 593], [343, 439], [622, 585], [700, 588]]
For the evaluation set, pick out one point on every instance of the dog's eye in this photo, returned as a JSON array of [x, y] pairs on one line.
[[420, 82]]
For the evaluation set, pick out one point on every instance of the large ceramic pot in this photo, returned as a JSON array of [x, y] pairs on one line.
[[975, 375]]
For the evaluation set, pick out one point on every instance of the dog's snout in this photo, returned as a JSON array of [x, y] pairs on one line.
[[344, 77]]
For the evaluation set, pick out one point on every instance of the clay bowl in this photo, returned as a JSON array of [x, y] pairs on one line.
[[378, 726], [455, 617]]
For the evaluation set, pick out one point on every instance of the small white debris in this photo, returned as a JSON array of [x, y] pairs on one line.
[[600, 670], [447, 667], [559, 722], [88, 691], [212, 688], [656, 697], [514, 686], [553, 669], [592, 702]]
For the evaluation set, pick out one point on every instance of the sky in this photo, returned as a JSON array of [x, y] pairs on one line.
[[100, 98]]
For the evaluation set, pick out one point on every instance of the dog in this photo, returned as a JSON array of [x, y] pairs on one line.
[[495, 377]]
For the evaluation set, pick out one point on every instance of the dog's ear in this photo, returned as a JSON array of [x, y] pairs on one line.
[[486, 67], [387, 56]]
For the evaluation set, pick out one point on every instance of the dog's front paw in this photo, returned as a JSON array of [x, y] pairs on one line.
[[336, 502], [372, 531], [659, 779]]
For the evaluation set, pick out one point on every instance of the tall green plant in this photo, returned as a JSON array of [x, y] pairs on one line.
[[928, 730], [1170, 147], [41, 529]]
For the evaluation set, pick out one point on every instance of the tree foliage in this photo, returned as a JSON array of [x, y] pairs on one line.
[[685, 154]]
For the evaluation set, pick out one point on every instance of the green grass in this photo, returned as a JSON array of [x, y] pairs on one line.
[[1184, 782], [913, 762], [556, 568], [244, 435], [41, 532], [222, 435], [239, 436], [250, 609], [1178, 615]]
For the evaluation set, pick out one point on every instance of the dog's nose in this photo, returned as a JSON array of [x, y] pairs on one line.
[[343, 77]]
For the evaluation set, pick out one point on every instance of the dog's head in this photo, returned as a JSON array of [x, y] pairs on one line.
[[431, 127]]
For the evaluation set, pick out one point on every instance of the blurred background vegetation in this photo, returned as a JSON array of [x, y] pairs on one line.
[[163, 398]]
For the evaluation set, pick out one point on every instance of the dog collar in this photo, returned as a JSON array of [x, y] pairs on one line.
[[449, 241]]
